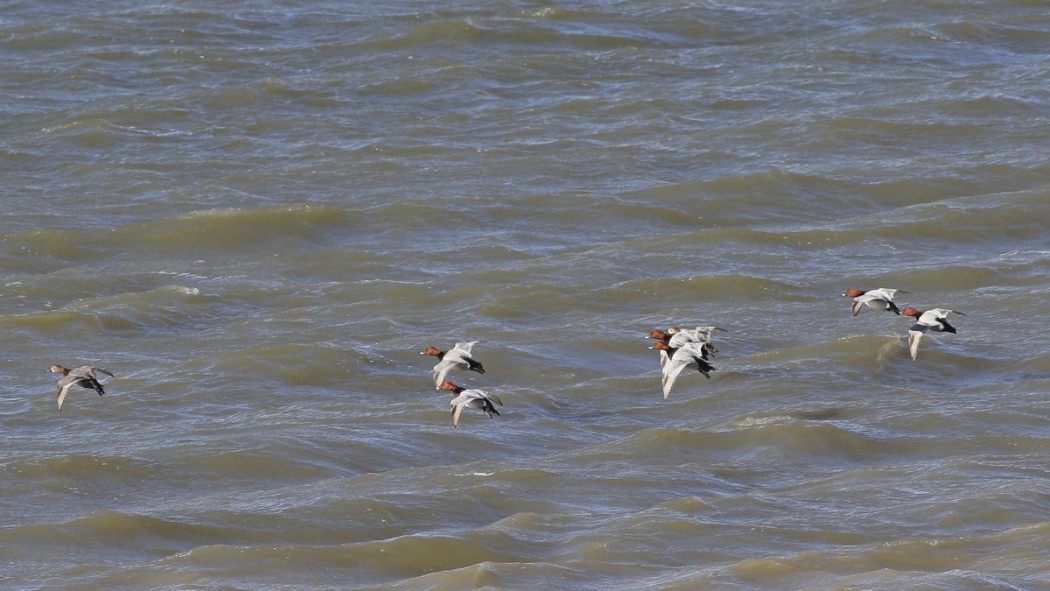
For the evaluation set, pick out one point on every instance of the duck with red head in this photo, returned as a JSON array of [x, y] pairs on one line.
[[689, 355], [463, 398], [676, 337], [458, 357], [935, 320], [85, 377], [878, 299]]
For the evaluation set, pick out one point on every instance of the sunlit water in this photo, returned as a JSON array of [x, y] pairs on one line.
[[258, 214]]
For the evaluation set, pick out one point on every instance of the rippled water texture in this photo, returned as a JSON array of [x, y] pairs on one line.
[[258, 214]]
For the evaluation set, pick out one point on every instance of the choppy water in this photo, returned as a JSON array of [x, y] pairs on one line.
[[257, 214]]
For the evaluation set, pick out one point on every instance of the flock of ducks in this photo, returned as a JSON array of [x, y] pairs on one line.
[[935, 320], [682, 348], [679, 348], [459, 357]]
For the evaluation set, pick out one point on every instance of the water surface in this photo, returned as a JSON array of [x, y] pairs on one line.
[[258, 214]]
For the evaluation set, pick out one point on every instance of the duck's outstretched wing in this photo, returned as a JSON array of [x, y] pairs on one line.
[[442, 368], [664, 358], [682, 338], [465, 346], [63, 389], [457, 409], [914, 336], [885, 293], [858, 304], [670, 374]]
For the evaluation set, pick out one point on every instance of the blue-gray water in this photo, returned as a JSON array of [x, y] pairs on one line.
[[256, 214]]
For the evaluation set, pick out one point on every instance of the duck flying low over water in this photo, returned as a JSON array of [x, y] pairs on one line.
[[458, 357], [463, 398], [85, 377], [688, 355], [879, 299], [935, 320], [675, 338]]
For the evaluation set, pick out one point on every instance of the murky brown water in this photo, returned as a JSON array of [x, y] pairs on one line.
[[256, 215]]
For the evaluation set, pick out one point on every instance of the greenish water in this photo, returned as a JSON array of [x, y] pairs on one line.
[[257, 215]]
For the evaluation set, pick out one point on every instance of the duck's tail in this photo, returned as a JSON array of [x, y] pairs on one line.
[[704, 367], [473, 365]]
